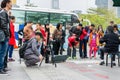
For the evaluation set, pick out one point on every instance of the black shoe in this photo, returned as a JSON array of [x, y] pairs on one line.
[[102, 63], [114, 64], [63, 49], [2, 72], [85, 57], [6, 69]]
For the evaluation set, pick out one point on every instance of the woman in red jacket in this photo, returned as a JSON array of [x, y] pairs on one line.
[[12, 39]]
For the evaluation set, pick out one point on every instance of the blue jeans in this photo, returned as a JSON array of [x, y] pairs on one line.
[[10, 50], [3, 51], [83, 53]]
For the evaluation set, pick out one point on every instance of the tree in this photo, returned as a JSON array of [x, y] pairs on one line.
[[100, 16]]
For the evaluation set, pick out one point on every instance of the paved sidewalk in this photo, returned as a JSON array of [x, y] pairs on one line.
[[85, 69]]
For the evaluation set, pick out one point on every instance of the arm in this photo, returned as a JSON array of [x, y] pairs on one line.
[[71, 31], [103, 39], [20, 32], [4, 23], [34, 47]]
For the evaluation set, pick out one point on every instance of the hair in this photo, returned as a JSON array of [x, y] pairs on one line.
[[80, 24], [39, 34], [12, 17], [95, 29], [4, 3], [39, 24], [58, 25], [92, 25], [110, 29], [112, 22], [28, 22], [47, 29], [99, 28], [115, 26]]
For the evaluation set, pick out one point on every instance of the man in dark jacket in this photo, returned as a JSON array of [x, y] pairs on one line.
[[112, 42], [75, 31], [6, 5]]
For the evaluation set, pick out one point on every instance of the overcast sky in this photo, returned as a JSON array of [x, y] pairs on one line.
[[64, 4]]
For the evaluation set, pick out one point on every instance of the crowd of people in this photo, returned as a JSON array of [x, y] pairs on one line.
[[39, 40], [98, 41]]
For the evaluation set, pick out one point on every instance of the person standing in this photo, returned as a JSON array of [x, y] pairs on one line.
[[6, 5], [75, 31], [47, 52], [57, 37], [12, 39], [93, 43]]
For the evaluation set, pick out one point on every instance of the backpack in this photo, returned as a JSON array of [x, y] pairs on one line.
[[22, 50]]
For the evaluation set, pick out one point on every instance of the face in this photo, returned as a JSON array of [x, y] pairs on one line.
[[38, 37], [37, 26], [79, 27], [60, 26], [9, 5], [47, 26], [94, 31], [29, 24], [13, 20]]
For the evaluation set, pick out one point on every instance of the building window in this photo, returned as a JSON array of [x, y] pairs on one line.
[[55, 4]]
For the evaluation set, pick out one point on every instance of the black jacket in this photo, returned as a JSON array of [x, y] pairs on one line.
[[112, 42], [76, 31], [4, 22]]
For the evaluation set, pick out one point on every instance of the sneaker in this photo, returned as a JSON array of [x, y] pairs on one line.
[[85, 57], [69, 58], [102, 63], [11, 59], [6, 69], [2, 72], [74, 58]]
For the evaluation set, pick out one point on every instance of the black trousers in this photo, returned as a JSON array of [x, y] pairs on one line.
[[56, 47], [102, 51]]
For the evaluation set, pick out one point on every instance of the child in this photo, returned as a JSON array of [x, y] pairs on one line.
[[12, 39], [72, 43], [93, 43], [39, 38]]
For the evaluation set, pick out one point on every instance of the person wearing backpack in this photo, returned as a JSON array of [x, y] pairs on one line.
[[6, 5], [31, 53]]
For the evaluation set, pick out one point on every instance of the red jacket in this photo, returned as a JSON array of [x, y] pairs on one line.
[[84, 33], [12, 37], [72, 40]]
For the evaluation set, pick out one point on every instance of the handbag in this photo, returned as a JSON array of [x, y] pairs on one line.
[[2, 36]]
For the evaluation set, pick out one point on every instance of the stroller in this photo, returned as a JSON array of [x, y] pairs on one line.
[[54, 58]]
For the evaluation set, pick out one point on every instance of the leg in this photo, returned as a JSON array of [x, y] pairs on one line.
[[80, 48], [90, 51], [61, 48], [95, 53], [102, 54], [55, 48], [11, 47], [47, 57], [85, 48], [31, 60], [74, 52], [102, 50], [69, 51]]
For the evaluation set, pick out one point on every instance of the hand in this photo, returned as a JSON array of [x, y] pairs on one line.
[[73, 34]]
